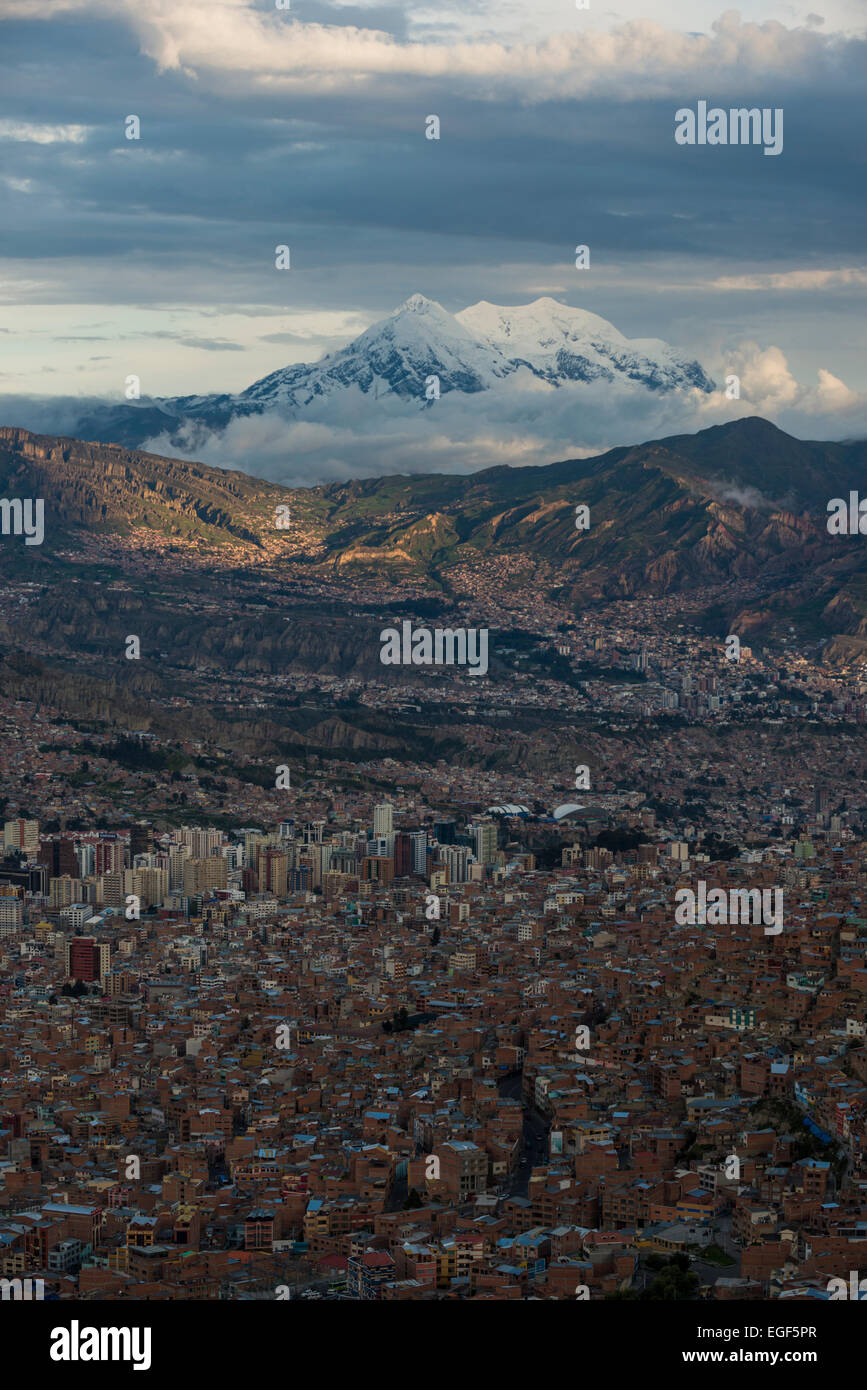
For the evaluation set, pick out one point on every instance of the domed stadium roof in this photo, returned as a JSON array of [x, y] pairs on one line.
[[509, 809], [567, 809]]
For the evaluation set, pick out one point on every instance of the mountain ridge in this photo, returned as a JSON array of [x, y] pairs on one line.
[[663, 517]]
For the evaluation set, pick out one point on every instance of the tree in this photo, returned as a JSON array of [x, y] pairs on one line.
[[413, 1201], [673, 1283]]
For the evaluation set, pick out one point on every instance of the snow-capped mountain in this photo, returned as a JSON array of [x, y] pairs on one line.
[[559, 343], [480, 349], [398, 354], [475, 350]]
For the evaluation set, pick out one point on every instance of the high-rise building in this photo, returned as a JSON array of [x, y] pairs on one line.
[[59, 855], [383, 819], [456, 857], [445, 832], [484, 835], [204, 876], [32, 878], [110, 854], [22, 835], [203, 843], [111, 890], [403, 848], [344, 861], [151, 886], [234, 855], [272, 866], [86, 958], [320, 861], [63, 891], [419, 851], [11, 912], [252, 840], [379, 870], [178, 856], [140, 840], [85, 857]]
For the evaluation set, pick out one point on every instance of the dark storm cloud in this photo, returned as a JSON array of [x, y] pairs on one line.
[[248, 181], [251, 170]]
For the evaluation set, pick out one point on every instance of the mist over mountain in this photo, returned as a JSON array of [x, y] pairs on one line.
[[426, 391], [421, 389]]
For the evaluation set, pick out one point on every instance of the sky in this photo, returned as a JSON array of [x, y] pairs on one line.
[[306, 127]]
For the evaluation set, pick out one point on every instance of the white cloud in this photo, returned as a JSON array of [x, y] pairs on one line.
[[41, 134], [833, 394], [769, 388], [765, 378], [230, 40], [794, 280], [354, 436]]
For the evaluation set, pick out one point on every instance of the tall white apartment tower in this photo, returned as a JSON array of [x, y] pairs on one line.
[[383, 819]]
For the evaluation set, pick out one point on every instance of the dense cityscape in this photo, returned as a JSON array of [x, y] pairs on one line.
[[328, 979], [374, 1049]]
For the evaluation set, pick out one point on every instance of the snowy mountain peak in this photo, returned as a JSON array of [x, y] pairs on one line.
[[559, 342], [416, 320], [544, 323], [468, 352], [418, 304], [421, 354]]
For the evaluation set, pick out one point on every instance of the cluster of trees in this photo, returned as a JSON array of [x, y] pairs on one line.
[[620, 841], [138, 754], [673, 1282]]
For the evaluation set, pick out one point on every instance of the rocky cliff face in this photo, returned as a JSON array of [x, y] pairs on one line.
[[106, 487]]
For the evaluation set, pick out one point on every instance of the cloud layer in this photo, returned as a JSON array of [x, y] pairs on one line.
[[354, 435], [270, 49], [513, 426]]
